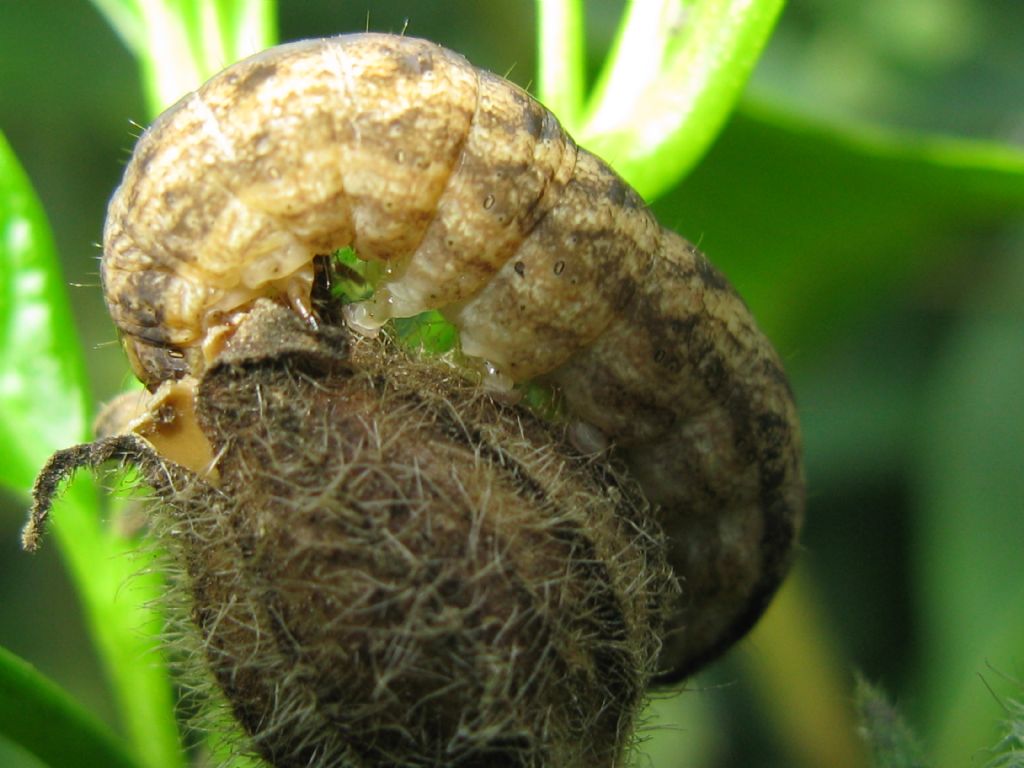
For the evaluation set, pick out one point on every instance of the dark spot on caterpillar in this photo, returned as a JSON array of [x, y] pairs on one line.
[[712, 373], [533, 120], [189, 224], [710, 276], [144, 156], [520, 268], [262, 142], [670, 363], [623, 294], [553, 132], [172, 362], [632, 200], [559, 267], [415, 64], [616, 191], [683, 326], [256, 76], [741, 421], [774, 372], [144, 302]]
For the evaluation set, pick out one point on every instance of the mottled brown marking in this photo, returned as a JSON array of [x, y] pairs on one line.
[[415, 64], [256, 76], [712, 278]]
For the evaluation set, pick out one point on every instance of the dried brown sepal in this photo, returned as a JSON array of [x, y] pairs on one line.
[[128, 448]]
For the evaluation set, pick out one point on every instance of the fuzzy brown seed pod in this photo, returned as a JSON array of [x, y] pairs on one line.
[[392, 569]]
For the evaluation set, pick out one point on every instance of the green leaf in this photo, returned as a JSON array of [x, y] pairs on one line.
[[560, 62], [428, 332], [182, 43], [179, 44], [674, 74], [40, 355], [42, 718], [44, 400], [246, 27], [125, 16], [815, 223]]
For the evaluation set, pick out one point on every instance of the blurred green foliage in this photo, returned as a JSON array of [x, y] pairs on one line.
[[889, 269]]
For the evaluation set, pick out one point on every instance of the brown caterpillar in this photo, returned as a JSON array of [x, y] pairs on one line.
[[482, 207]]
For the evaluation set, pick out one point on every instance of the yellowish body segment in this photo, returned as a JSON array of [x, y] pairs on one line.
[[482, 207]]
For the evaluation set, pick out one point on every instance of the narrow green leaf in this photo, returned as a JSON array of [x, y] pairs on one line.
[[44, 405], [246, 26], [182, 43], [40, 357], [560, 59], [634, 62], [815, 223], [179, 44], [42, 718], [125, 16], [674, 75], [170, 67]]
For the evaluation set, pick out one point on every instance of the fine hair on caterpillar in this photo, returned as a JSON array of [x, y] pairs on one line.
[[473, 202]]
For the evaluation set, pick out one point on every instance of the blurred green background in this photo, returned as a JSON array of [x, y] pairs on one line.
[[906, 347]]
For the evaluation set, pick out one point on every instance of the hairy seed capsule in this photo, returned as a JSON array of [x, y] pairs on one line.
[[392, 569]]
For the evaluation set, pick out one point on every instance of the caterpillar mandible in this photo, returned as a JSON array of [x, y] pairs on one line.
[[480, 206]]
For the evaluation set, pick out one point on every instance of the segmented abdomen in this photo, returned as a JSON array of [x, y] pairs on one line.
[[481, 206]]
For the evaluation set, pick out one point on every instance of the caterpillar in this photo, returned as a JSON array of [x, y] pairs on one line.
[[479, 205]]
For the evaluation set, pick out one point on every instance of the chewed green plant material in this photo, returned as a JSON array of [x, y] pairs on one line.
[[352, 281], [353, 278], [367, 180]]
